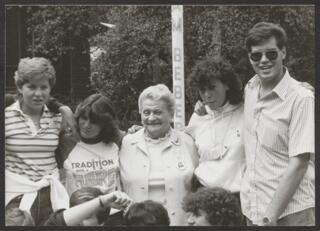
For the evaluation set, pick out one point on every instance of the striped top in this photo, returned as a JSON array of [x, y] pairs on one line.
[[278, 126], [28, 151]]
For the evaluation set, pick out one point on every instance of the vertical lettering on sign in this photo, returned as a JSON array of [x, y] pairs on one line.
[[178, 65]]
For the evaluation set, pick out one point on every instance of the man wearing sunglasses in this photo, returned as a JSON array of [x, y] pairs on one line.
[[278, 184]]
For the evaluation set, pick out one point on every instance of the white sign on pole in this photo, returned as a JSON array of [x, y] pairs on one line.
[[178, 65]]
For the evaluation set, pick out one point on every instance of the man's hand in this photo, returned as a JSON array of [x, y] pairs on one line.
[[308, 86], [117, 200], [289, 183], [200, 109], [272, 221]]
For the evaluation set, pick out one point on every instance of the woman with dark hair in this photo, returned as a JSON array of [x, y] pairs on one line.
[[147, 212], [212, 206], [92, 161], [218, 133]]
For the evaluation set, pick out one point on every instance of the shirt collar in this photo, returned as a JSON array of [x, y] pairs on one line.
[[16, 107], [281, 89], [139, 137], [254, 82], [227, 107]]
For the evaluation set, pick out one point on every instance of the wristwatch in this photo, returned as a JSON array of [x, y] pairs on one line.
[[266, 221]]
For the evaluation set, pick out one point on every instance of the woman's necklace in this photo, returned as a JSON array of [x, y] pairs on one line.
[[158, 140]]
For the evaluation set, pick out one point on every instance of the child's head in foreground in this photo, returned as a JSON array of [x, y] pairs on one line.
[[18, 217], [212, 206], [146, 213]]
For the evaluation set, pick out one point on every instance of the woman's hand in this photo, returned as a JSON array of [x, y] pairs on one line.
[[200, 109], [69, 124], [117, 200], [308, 86], [134, 128]]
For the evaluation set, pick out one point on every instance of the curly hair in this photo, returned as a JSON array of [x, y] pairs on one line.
[[264, 30], [147, 213], [220, 205], [29, 68], [207, 69], [99, 111]]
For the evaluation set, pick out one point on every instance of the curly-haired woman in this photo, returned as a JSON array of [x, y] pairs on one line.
[[218, 133]]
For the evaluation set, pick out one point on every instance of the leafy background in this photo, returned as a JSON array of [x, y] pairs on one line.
[[138, 50]]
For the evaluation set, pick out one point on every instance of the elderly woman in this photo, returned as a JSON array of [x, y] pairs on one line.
[[31, 137], [218, 133], [157, 162]]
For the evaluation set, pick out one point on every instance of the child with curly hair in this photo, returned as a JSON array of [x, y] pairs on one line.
[[212, 206]]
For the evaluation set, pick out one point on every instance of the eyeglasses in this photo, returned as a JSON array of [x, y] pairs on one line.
[[256, 56]]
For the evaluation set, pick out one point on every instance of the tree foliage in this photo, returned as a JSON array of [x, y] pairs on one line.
[[138, 50], [53, 27], [137, 55]]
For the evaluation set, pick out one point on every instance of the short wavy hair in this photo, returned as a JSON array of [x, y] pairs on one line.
[[158, 92], [29, 68], [262, 31], [220, 205], [100, 111], [207, 69], [147, 213]]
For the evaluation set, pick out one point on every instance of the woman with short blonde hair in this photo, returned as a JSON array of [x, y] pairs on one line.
[[31, 138], [157, 162]]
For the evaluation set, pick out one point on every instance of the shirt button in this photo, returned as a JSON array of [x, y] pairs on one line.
[[145, 165], [173, 213], [142, 188], [170, 188]]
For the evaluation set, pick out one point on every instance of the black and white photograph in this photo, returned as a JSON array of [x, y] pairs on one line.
[[159, 115]]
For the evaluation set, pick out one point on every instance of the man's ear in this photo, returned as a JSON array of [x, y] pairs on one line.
[[283, 53]]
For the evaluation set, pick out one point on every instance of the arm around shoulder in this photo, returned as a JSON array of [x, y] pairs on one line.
[[66, 143]]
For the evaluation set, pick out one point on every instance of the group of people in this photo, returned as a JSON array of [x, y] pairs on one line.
[[246, 156]]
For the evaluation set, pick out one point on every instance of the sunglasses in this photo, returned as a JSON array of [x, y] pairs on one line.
[[256, 56]]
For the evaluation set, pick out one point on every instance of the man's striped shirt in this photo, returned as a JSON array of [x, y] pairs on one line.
[[277, 126], [28, 151]]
